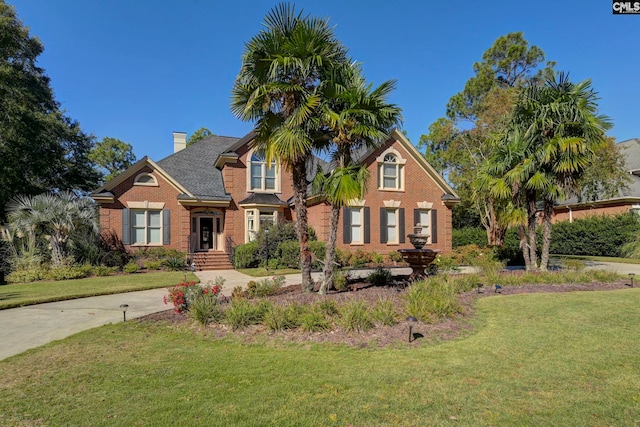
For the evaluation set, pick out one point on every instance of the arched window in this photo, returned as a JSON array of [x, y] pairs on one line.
[[262, 177], [145, 179], [391, 171]]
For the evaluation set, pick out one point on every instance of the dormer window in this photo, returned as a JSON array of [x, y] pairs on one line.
[[391, 171], [263, 176], [146, 179]]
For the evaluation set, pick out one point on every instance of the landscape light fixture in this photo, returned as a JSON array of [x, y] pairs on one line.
[[411, 321], [631, 275], [480, 285], [498, 289], [124, 307]]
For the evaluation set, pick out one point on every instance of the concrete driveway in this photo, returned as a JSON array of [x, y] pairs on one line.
[[32, 326]]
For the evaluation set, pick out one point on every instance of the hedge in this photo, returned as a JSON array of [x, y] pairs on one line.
[[594, 236]]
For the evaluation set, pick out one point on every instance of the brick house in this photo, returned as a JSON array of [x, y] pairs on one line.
[[215, 194], [627, 199]]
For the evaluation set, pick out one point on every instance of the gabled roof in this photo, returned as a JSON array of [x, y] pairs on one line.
[[630, 150], [193, 167], [450, 195], [262, 199], [134, 169]]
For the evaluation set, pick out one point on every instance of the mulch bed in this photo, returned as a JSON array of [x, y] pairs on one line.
[[397, 335]]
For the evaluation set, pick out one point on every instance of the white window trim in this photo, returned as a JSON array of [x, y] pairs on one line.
[[146, 227], [262, 189], [249, 235], [396, 226], [153, 183], [399, 169], [359, 208], [427, 210]]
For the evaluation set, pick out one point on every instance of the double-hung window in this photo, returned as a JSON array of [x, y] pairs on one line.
[[146, 227], [263, 175], [391, 171], [392, 225], [356, 220]]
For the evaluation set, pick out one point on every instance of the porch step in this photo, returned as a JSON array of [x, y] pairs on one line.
[[212, 261]]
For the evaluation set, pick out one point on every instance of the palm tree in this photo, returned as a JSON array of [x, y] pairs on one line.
[[358, 117], [279, 87], [554, 135], [55, 217]]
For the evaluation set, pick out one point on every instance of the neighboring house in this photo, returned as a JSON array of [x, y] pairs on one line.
[[213, 195], [627, 199]]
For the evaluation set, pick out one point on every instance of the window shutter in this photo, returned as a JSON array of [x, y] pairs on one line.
[[367, 233], [126, 228], [383, 225], [434, 226], [416, 217], [166, 227], [401, 225], [346, 226]]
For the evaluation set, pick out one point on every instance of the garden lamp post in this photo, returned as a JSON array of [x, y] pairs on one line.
[[411, 321], [124, 307], [480, 285], [631, 276]]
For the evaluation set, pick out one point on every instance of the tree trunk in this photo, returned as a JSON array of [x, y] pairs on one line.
[[532, 224], [299, 175], [524, 247], [546, 234], [329, 265], [495, 232]]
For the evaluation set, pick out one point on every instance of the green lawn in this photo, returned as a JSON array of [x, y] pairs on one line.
[[20, 294], [532, 360]]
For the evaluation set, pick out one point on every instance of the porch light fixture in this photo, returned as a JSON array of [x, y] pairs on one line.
[[412, 322], [631, 276], [498, 289], [124, 308]]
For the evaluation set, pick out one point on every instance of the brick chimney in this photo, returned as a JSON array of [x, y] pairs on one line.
[[179, 141]]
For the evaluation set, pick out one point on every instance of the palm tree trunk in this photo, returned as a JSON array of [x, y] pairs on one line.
[[329, 265], [299, 175], [546, 234], [524, 246], [532, 224]]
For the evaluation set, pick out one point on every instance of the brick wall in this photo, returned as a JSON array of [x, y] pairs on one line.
[[111, 213], [589, 211], [418, 187]]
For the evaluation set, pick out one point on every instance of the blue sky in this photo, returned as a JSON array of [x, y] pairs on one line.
[[138, 70]]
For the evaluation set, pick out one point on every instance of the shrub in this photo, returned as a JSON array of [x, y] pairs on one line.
[[184, 293], [595, 235], [314, 320], [356, 317], [394, 256], [153, 265], [288, 253], [340, 280], [278, 318], [380, 277], [246, 256], [174, 264], [241, 313], [65, 272], [377, 258], [205, 308], [343, 258], [360, 258], [432, 299], [469, 236], [26, 275], [101, 270], [131, 267], [264, 287], [384, 312], [574, 264], [328, 307]]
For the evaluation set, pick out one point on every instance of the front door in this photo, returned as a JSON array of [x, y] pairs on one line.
[[207, 234]]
